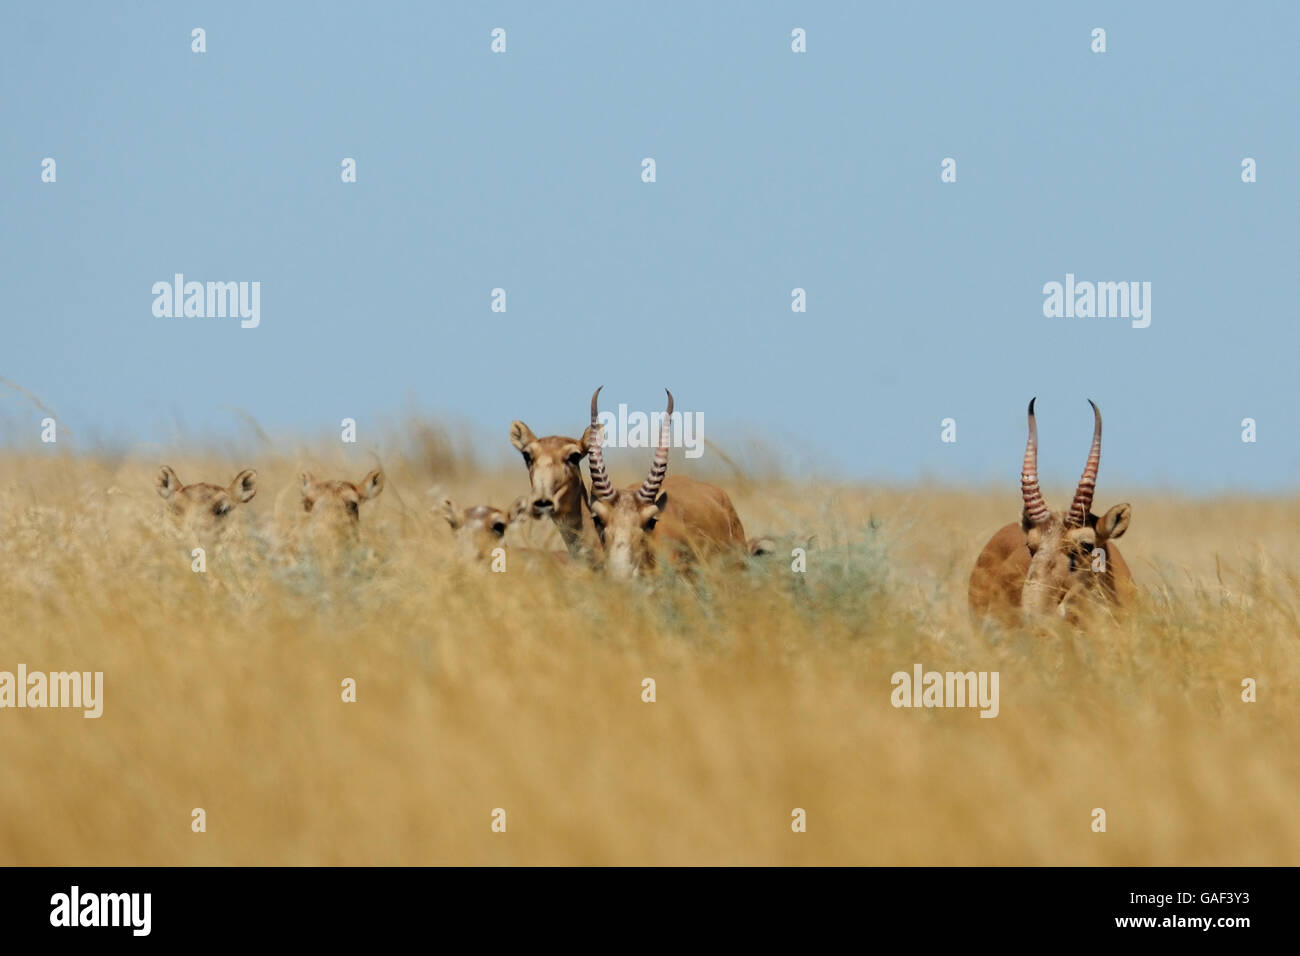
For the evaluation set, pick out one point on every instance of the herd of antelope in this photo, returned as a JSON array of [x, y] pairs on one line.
[[1058, 563]]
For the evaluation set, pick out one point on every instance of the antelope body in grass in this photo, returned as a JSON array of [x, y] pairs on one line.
[[674, 519], [1053, 562]]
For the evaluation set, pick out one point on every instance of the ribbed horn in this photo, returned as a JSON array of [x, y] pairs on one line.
[[1035, 506], [600, 484], [1088, 483], [649, 489]]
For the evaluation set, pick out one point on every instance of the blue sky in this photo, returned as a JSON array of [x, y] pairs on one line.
[[775, 170]]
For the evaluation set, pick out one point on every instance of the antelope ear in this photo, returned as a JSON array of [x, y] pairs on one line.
[[601, 509], [1033, 538], [244, 486], [1115, 521], [449, 511], [654, 510], [521, 436], [167, 483], [371, 485]]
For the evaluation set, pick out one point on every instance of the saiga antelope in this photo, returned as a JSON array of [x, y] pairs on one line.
[[478, 530], [1050, 561], [481, 530], [555, 476], [332, 509], [640, 525], [201, 508]]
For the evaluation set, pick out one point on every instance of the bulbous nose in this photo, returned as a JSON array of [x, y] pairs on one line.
[[619, 562]]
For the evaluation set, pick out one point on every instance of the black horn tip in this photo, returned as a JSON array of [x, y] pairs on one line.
[[670, 401], [595, 395], [1031, 404]]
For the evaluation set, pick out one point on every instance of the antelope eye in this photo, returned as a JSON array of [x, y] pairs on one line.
[[221, 509], [528, 459], [498, 528], [575, 459], [352, 507], [650, 525]]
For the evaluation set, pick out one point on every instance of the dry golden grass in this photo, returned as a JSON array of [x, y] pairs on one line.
[[523, 691]]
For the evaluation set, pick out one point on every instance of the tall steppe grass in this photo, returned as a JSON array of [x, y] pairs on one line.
[[523, 690]]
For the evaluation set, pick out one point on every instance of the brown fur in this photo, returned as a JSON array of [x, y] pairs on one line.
[[204, 509], [480, 530], [554, 468], [333, 508], [689, 521], [1026, 572]]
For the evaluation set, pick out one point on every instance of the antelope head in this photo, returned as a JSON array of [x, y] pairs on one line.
[[334, 507], [1066, 548], [555, 478], [201, 508], [478, 530], [625, 519]]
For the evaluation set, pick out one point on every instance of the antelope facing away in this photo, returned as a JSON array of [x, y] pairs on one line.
[[555, 475], [641, 525], [1053, 562], [201, 508]]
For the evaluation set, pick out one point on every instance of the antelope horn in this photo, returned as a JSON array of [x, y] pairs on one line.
[[1035, 506], [649, 489], [600, 484], [1088, 483]]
